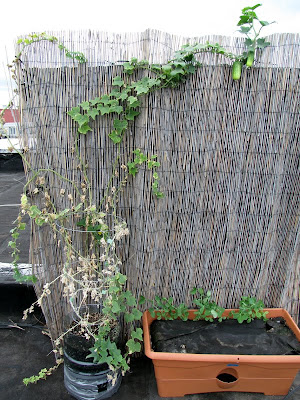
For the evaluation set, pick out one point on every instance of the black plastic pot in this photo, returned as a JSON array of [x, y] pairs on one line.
[[88, 381], [85, 380]]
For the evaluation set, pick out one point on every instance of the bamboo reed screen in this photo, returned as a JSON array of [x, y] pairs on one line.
[[229, 154]]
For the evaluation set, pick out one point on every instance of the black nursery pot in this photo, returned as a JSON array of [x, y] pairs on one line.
[[86, 380]]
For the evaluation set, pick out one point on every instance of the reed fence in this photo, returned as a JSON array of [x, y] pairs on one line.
[[229, 154]]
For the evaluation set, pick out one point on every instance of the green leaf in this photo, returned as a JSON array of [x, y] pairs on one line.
[[244, 19], [142, 300], [153, 164], [158, 194], [177, 71], [120, 125], [84, 128], [105, 99], [128, 317], [93, 113], [40, 221], [103, 109], [123, 95], [133, 346], [132, 169], [116, 109], [117, 81], [261, 43], [115, 93], [152, 312], [115, 137], [143, 62], [73, 112], [137, 334], [251, 8], [140, 89], [34, 211], [85, 105], [121, 278], [137, 314], [24, 200], [245, 29], [115, 307], [130, 299], [131, 114], [132, 100], [166, 69], [22, 226], [95, 101], [128, 68], [190, 69], [81, 119]]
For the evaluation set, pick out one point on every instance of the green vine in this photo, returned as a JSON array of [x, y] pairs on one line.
[[124, 99], [44, 372], [39, 37]]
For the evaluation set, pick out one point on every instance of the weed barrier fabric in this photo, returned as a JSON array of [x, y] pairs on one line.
[[227, 337]]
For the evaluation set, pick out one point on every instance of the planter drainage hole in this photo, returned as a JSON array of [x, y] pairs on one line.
[[102, 387], [226, 378]]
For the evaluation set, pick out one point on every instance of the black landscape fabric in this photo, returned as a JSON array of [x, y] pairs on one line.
[[226, 337]]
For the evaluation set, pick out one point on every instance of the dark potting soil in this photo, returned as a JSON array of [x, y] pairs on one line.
[[77, 346], [227, 337]]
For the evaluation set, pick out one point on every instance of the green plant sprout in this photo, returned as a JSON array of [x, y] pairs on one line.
[[206, 309], [163, 308], [249, 309]]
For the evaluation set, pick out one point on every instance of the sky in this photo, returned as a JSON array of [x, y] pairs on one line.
[[184, 18]]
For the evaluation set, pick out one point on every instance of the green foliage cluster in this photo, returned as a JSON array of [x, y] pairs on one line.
[[206, 309], [249, 309], [164, 308], [118, 302], [35, 378], [44, 372], [15, 233], [248, 26]]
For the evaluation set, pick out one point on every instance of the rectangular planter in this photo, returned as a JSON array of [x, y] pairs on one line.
[[178, 374]]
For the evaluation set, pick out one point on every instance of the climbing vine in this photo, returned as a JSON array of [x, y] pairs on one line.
[[39, 37], [124, 99]]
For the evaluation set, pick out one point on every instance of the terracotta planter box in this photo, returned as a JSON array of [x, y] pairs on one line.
[[178, 374]]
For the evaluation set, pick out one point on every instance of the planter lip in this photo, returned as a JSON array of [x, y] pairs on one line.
[[226, 358]]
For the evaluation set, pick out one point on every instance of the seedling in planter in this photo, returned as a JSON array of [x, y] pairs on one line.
[[206, 309], [163, 308], [250, 309]]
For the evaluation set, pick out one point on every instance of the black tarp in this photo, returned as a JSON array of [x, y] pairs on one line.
[[226, 337]]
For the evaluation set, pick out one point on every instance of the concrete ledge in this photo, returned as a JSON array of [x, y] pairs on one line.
[[7, 273]]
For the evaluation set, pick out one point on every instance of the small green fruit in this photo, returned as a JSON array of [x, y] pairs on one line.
[[250, 58], [236, 70]]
